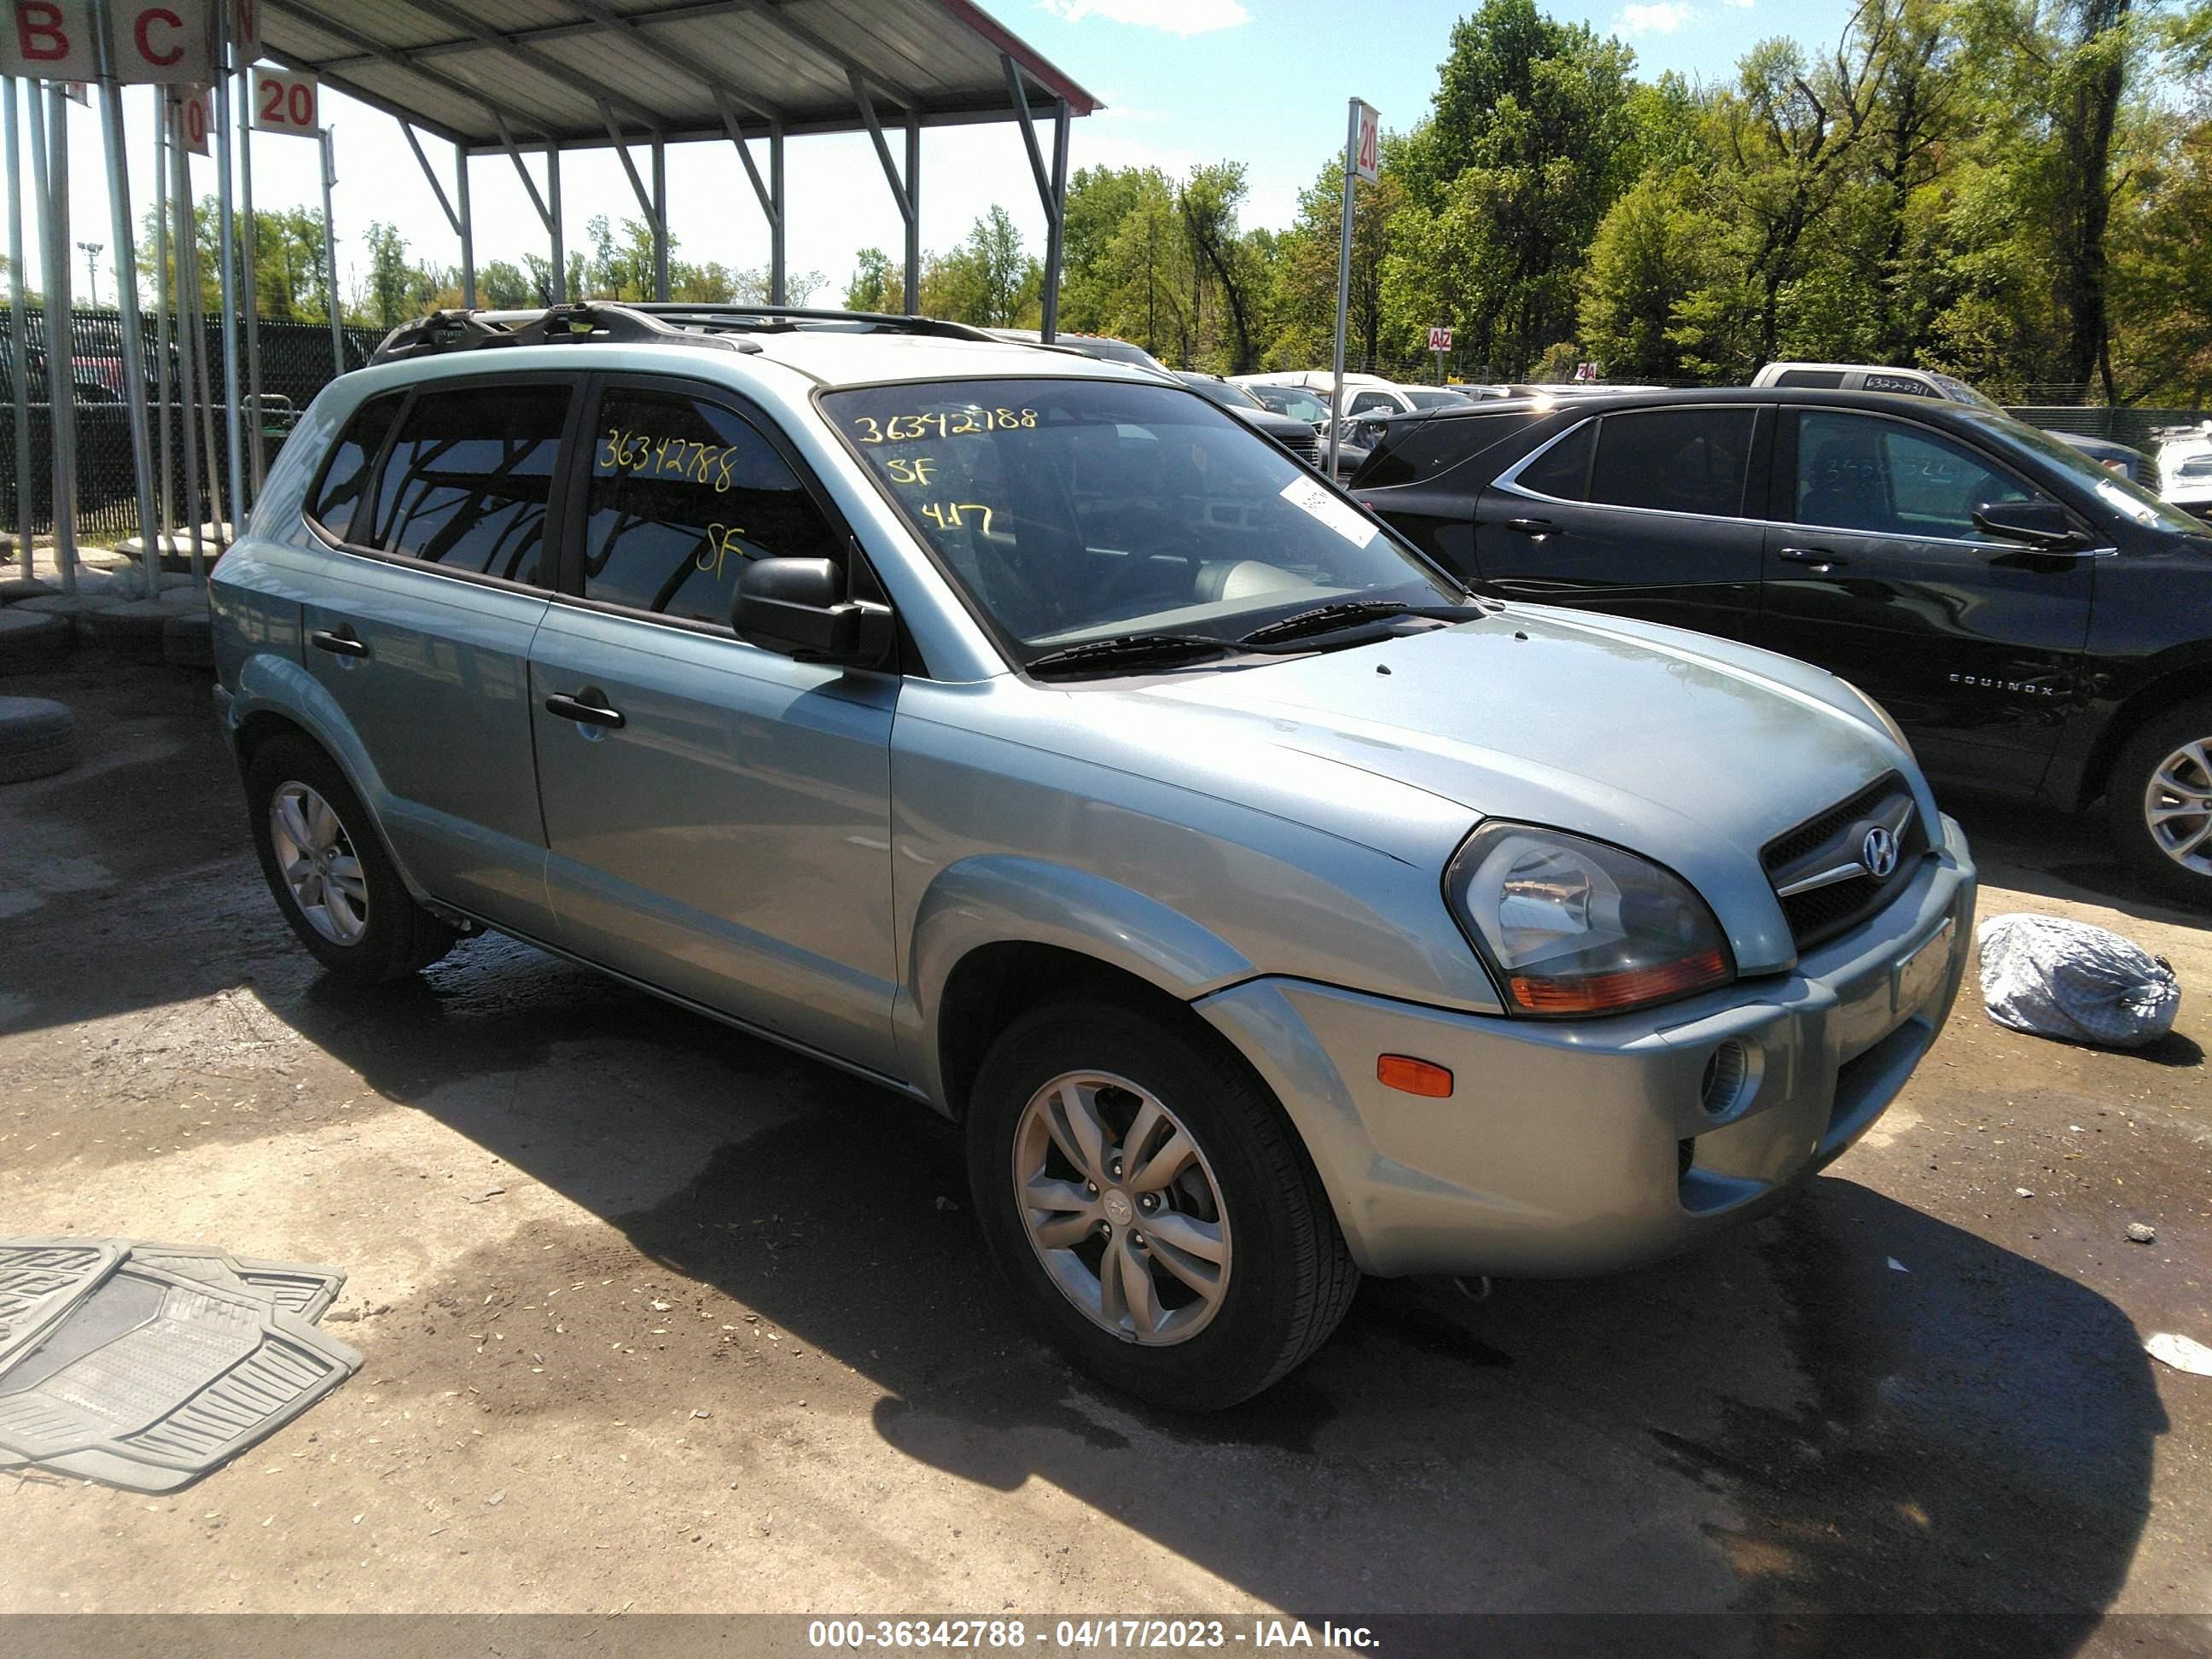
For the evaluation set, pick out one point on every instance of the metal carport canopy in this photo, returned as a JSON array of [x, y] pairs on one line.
[[500, 76]]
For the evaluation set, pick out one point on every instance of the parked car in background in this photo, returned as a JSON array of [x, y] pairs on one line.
[[2122, 458], [2034, 622], [1294, 434], [1364, 394], [1309, 407], [1023, 734], [2184, 467]]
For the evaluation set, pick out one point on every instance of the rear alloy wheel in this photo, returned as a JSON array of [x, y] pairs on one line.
[[2161, 801], [332, 876], [1150, 1204]]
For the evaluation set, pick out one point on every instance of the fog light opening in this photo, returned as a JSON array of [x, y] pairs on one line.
[[1726, 1080]]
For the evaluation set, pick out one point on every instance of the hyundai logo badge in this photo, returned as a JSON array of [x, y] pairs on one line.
[[1878, 852]]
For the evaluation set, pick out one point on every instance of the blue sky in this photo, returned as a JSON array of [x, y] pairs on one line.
[[1263, 81]]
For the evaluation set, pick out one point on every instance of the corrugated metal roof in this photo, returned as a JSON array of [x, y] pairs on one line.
[[554, 70]]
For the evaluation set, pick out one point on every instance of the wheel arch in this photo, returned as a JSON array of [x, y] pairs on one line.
[[995, 936], [2183, 683]]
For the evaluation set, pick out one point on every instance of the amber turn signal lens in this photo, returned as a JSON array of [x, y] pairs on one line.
[[1412, 1077], [1600, 994]]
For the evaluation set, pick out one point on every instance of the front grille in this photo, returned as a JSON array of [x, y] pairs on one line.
[[1303, 445], [1834, 839]]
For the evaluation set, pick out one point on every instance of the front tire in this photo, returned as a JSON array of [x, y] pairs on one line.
[[2160, 802], [1150, 1206], [328, 870]]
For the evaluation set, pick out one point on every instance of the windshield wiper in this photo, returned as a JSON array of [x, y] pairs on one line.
[[1326, 618], [1126, 649]]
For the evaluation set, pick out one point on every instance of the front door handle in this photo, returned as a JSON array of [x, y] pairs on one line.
[[1539, 528], [1819, 558], [588, 706], [339, 641]]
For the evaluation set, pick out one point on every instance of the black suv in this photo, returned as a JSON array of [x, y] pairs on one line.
[[2035, 623]]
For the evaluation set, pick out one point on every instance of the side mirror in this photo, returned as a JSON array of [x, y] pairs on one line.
[[795, 607], [2038, 524]]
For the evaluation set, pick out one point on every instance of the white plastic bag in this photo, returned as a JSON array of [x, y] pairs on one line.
[[2056, 978]]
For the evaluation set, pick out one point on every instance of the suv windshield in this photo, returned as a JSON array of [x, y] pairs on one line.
[[1075, 510], [2118, 491]]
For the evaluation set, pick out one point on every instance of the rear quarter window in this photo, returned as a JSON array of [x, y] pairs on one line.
[[347, 472], [1411, 452]]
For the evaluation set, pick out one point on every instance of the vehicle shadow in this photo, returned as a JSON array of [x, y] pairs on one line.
[[1850, 1407]]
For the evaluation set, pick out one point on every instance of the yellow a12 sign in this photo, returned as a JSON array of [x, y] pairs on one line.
[[286, 101]]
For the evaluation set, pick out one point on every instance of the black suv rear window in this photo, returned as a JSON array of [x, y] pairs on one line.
[[1412, 450], [346, 474], [1673, 460], [469, 478]]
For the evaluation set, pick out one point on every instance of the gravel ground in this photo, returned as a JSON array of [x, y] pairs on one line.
[[659, 1318]]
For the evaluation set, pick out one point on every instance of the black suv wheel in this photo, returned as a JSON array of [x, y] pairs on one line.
[[2160, 798]]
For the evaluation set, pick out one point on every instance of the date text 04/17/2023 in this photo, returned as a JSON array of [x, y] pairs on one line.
[[1068, 1635]]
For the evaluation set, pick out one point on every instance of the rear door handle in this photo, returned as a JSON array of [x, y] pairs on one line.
[[339, 641], [588, 706], [1533, 526], [1819, 558]]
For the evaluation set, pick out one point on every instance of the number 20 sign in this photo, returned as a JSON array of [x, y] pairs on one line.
[[284, 103]]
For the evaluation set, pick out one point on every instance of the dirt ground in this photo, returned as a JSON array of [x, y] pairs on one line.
[[659, 1318]]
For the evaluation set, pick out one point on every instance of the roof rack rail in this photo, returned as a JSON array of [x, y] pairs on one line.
[[562, 324], [782, 319]]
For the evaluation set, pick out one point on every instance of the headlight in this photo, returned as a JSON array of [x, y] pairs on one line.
[[1574, 926]]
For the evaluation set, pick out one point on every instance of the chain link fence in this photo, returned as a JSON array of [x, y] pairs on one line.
[[297, 361]]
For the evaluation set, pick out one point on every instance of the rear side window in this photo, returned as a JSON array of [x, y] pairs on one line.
[[1906, 384], [346, 474], [1673, 460], [1563, 470], [1813, 379], [469, 478], [682, 492], [1413, 450]]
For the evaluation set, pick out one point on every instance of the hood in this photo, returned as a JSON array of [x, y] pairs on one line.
[[1690, 751]]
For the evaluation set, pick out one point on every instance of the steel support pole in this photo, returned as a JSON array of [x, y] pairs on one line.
[[331, 253], [126, 305], [659, 218], [1056, 244], [249, 245], [50, 168], [553, 200], [226, 249], [18, 329], [164, 494], [198, 430], [775, 243], [1343, 279], [912, 211], [468, 226]]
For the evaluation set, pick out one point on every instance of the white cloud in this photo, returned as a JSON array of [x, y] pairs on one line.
[[1175, 16], [1662, 18]]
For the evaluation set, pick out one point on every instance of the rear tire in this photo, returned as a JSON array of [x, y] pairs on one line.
[[327, 867], [1246, 1274], [2159, 802]]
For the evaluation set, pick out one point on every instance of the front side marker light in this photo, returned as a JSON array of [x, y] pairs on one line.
[[1413, 1077]]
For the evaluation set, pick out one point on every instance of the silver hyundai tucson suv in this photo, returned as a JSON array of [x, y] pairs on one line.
[[1030, 737]]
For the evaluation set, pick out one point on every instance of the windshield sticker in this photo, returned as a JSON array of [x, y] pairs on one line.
[[945, 423], [945, 515], [644, 456], [1310, 498]]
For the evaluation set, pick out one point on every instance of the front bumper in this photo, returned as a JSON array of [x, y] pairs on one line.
[[1571, 1148]]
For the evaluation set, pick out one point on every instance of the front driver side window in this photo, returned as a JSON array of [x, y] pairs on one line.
[[682, 492], [1860, 472]]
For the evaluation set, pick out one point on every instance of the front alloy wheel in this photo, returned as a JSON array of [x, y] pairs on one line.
[[2178, 807], [1149, 1203], [1121, 1208]]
